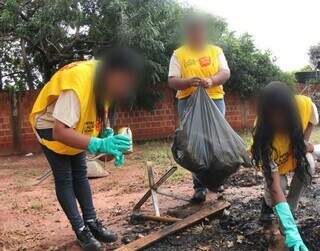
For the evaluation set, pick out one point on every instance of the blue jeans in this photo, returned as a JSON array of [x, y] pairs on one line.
[[182, 103]]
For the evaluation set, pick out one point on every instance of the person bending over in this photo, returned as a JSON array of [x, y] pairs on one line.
[[280, 146], [68, 116], [198, 63]]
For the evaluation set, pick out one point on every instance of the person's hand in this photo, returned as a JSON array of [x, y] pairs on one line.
[[207, 82], [114, 145], [195, 81], [107, 132], [119, 160], [309, 147], [293, 239], [299, 246], [109, 145]]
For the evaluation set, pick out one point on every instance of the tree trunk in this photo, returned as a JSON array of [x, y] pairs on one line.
[[26, 65]]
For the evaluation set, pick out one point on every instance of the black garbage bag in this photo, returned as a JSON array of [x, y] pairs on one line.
[[205, 143]]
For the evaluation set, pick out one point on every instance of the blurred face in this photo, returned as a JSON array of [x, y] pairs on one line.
[[197, 35], [277, 120], [119, 84]]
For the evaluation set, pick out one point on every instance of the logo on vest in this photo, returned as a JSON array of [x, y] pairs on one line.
[[190, 62], [88, 127], [205, 61], [282, 159]]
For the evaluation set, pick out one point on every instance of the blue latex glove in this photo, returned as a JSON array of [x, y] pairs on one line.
[[107, 132], [293, 239]]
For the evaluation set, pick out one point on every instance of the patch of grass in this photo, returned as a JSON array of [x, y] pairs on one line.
[[158, 152], [21, 184], [246, 135], [179, 175], [36, 205]]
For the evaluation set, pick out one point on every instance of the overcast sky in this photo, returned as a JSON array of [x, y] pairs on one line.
[[287, 27]]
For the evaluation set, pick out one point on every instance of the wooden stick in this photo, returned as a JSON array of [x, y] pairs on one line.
[[187, 222], [146, 196], [153, 192], [166, 219]]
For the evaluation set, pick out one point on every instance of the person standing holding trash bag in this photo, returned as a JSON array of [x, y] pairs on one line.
[[280, 146], [69, 118], [198, 63]]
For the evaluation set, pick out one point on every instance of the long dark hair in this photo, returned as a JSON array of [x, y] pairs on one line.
[[277, 96], [120, 59]]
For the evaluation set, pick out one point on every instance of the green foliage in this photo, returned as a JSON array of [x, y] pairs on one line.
[[313, 82], [287, 77], [251, 68], [314, 54], [306, 68], [38, 37]]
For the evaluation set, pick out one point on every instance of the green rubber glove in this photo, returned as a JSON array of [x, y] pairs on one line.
[[119, 160], [107, 132], [293, 239], [113, 145]]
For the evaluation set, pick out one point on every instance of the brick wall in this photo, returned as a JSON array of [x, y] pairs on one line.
[[240, 113], [6, 141], [156, 124], [145, 125]]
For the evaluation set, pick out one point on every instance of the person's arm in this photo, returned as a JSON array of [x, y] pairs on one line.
[[308, 131], [314, 120], [282, 209], [69, 136], [277, 194], [67, 115], [178, 83], [175, 81], [224, 72]]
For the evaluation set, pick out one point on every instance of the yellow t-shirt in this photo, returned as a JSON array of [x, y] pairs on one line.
[[202, 64], [283, 155]]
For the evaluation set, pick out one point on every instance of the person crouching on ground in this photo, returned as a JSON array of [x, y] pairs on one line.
[[280, 146], [67, 117], [195, 64]]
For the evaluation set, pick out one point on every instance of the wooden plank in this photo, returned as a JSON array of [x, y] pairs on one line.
[[187, 222]]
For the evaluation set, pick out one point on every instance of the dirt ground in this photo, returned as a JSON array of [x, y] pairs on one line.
[[31, 218]]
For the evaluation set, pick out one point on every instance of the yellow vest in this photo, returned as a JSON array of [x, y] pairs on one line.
[[283, 155], [79, 77], [204, 64]]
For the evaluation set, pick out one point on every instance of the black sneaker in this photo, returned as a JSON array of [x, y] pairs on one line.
[[100, 232], [267, 216], [87, 240], [199, 196], [219, 189]]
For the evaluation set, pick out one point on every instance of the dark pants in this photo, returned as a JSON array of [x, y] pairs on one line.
[[182, 103], [71, 182]]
